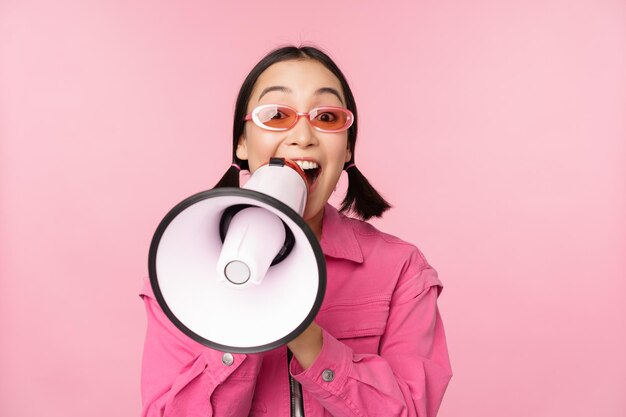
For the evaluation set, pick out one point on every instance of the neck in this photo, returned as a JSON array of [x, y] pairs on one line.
[[315, 223]]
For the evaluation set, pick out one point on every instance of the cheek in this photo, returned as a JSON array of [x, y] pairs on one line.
[[260, 150], [338, 153], [334, 164]]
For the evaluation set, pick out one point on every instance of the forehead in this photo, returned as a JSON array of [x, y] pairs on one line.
[[303, 77]]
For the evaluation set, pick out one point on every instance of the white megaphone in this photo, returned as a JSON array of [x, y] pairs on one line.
[[238, 269]]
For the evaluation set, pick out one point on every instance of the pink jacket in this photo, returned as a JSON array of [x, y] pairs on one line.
[[384, 348]]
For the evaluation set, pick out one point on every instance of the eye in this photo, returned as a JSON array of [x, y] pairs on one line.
[[279, 115], [327, 117], [272, 113]]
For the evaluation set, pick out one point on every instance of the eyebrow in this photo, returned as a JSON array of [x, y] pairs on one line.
[[319, 91]]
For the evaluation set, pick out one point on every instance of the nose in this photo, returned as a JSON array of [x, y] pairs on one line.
[[302, 134]]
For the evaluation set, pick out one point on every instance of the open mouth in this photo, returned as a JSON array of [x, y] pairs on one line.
[[311, 169]]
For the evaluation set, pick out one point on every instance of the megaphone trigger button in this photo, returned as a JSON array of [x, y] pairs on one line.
[[227, 359], [277, 162]]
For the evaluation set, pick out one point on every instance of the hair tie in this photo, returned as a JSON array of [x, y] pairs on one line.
[[236, 166], [350, 166]]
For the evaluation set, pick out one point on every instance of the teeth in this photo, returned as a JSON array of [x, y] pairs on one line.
[[307, 164]]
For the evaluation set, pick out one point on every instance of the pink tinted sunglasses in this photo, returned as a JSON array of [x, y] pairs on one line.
[[279, 117]]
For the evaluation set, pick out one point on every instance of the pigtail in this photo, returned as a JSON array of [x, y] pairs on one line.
[[230, 178], [361, 198]]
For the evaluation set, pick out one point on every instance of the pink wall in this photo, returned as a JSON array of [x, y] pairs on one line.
[[502, 149]]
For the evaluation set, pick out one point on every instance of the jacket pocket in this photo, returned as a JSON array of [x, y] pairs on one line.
[[359, 324]]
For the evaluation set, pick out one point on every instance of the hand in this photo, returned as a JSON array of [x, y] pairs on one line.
[[307, 346]]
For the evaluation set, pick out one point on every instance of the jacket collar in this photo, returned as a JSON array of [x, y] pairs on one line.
[[338, 239]]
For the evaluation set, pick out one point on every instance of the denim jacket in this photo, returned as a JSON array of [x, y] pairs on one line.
[[384, 348]]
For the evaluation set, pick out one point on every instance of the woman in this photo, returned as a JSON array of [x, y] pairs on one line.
[[377, 346]]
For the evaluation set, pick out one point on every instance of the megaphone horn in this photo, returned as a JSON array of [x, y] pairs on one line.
[[238, 269]]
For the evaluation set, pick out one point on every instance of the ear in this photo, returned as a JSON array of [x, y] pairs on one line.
[[242, 148], [348, 154]]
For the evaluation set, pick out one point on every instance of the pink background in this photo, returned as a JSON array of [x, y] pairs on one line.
[[503, 153]]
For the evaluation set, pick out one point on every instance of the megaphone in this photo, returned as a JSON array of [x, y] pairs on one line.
[[238, 269]]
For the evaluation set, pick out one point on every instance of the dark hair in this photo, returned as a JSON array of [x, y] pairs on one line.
[[361, 198]]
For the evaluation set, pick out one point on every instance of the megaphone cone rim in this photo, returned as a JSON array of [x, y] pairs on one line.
[[253, 196]]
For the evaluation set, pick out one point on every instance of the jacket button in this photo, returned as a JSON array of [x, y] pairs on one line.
[[227, 359], [328, 375]]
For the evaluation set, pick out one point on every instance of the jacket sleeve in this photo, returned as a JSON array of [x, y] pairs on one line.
[[411, 373], [181, 377]]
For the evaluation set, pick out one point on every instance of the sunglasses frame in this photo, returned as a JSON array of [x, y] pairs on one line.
[[254, 116]]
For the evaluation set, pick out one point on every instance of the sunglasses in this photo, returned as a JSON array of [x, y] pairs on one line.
[[278, 117]]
